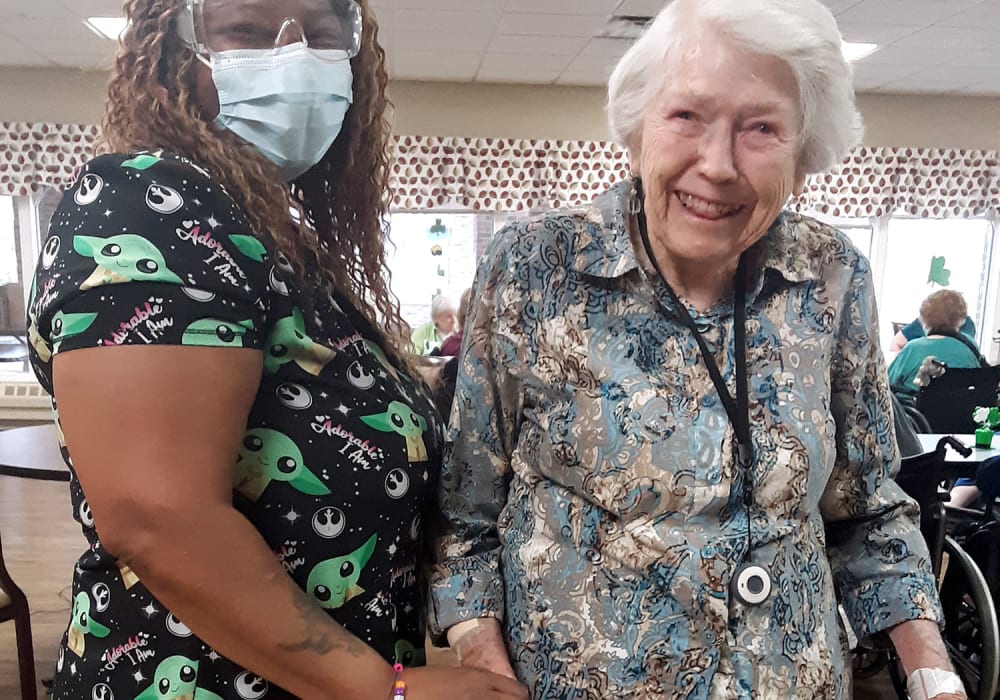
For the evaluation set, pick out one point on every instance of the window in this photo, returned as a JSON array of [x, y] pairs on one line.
[[433, 253], [924, 255]]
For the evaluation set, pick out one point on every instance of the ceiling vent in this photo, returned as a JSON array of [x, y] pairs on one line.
[[625, 27]]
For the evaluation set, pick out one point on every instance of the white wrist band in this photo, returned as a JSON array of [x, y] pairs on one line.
[[927, 683]]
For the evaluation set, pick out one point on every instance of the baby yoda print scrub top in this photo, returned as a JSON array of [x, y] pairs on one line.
[[341, 450]]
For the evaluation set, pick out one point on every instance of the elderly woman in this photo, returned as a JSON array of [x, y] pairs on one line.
[[941, 317], [444, 320], [251, 456], [672, 433]]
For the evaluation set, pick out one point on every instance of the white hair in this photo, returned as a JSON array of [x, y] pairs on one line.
[[802, 33], [442, 304]]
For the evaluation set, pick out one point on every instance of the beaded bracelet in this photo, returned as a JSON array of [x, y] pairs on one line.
[[399, 687]]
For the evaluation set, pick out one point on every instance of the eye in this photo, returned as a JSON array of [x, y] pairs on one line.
[[322, 593], [146, 265], [397, 420], [253, 443], [762, 128], [111, 250], [187, 674], [164, 686], [287, 465], [279, 350], [684, 115], [57, 326], [407, 658], [84, 618], [225, 334], [415, 420], [346, 569]]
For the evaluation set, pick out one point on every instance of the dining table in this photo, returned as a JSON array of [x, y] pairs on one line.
[[32, 452]]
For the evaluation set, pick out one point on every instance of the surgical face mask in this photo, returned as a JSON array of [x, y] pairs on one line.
[[288, 102]]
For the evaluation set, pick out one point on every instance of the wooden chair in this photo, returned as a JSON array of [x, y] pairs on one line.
[[14, 606]]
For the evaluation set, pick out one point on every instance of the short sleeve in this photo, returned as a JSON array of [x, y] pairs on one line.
[[147, 250]]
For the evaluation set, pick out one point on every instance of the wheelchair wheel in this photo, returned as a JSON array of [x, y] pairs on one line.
[[970, 623]]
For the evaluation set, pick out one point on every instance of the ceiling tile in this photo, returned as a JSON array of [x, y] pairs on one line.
[[602, 65], [909, 12], [537, 77], [989, 58], [446, 21], [606, 47], [583, 79], [914, 55], [867, 75], [551, 45], [952, 37], [489, 6], [551, 25], [563, 7], [875, 33], [946, 74], [922, 85], [985, 14], [425, 41], [519, 62], [438, 65], [640, 8]]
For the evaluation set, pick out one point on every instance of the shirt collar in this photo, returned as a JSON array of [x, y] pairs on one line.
[[604, 246]]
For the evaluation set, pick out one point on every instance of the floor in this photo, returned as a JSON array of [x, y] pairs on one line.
[[41, 542]]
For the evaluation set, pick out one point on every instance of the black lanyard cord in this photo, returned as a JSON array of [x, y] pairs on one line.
[[738, 410]]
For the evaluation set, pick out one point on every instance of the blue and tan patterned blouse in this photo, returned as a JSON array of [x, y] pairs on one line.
[[591, 498]]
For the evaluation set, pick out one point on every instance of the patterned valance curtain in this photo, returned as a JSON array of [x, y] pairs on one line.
[[522, 175]]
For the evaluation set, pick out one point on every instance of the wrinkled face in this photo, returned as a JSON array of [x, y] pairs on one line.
[[718, 153], [446, 322]]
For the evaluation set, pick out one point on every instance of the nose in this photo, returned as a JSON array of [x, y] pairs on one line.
[[717, 162], [290, 32]]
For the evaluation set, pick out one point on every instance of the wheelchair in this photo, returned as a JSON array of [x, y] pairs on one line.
[[970, 630]]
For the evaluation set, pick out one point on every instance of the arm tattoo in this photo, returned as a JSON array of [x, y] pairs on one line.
[[320, 636]]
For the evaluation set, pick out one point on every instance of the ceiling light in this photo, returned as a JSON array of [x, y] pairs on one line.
[[106, 27], [855, 52]]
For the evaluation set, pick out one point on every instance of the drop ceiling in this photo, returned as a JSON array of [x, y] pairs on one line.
[[926, 46]]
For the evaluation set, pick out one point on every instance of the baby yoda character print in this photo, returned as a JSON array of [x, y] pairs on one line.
[[408, 655], [81, 624], [400, 418], [123, 258], [176, 679], [335, 581], [288, 342], [67, 325], [216, 333], [267, 455]]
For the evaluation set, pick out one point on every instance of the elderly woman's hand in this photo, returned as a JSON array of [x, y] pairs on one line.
[[480, 645]]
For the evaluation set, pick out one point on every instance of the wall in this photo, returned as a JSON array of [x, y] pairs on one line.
[[526, 111]]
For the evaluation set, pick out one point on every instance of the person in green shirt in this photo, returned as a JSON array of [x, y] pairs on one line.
[[444, 320], [941, 314]]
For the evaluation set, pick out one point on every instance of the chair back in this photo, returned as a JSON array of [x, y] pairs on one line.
[[948, 401]]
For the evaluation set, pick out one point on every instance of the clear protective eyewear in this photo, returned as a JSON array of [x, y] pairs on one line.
[[338, 30]]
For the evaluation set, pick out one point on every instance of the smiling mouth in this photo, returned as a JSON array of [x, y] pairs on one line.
[[705, 209]]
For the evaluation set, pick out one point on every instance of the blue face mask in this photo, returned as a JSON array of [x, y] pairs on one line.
[[288, 102]]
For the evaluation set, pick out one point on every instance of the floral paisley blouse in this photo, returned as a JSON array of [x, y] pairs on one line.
[[590, 493], [341, 451]]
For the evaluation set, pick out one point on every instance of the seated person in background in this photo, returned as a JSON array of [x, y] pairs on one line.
[[442, 324], [941, 315], [453, 343], [986, 486], [913, 330]]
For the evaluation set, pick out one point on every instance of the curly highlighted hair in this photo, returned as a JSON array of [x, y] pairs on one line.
[[342, 202]]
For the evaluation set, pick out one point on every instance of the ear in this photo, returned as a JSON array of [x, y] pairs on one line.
[[379, 422], [800, 181], [85, 245], [365, 553]]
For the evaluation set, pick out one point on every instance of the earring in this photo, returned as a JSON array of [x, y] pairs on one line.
[[635, 195]]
